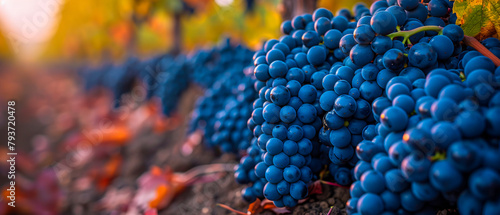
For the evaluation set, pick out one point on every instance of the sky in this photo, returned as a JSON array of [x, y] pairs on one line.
[[28, 24]]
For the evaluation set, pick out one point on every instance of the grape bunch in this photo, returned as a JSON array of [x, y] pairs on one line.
[[406, 109], [444, 152], [173, 78], [224, 110], [434, 117], [119, 79], [149, 75], [287, 116], [165, 77], [212, 65]]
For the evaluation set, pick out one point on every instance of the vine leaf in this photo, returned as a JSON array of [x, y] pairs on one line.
[[478, 18]]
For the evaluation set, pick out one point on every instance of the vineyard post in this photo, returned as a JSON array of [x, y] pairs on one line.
[[291, 8], [177, 34]]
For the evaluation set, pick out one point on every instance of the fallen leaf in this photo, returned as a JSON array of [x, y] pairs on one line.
[[158, 187], [255, 207], [108, 172], [315, 188], [258, 207], [117, 135]]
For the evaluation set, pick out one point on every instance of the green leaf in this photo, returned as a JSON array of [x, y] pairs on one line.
[[478, 18]]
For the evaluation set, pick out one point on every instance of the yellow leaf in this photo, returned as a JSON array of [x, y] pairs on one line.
[[478, 18]]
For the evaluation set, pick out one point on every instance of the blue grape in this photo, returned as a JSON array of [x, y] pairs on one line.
[[364, 34], [469, 204], [383, 23], [442, 45], [340, 23], [454, 32], [394, 118], [342, 87], [479, 62], [271, 192], [372, 182], [381, 44], [321, 12], [274, 55], [408, 4], [346, 43], [340, 137], [398, 13], [409, 202], [420, 13], [422, 55], [470, 123], [316, 55], [345, 106], [332, 39], [370, 204], [415, 167], [377, 5], [298, 190], [444, 177], [393, 59]]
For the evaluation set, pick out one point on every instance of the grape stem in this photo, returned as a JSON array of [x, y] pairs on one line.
[[472, 42], [469, 41], [407, 34]]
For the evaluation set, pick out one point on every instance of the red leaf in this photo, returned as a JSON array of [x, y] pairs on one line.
[[315, 188]]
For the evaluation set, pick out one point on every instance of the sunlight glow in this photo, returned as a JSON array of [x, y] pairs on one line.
[[224, 3], [28, 24]]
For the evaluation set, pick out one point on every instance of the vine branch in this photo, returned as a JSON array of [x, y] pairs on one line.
[[472, 42]]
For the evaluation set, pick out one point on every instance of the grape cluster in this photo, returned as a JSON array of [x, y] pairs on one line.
[[212, 65], [437, 143], [173, 79], [165, 77], [435, 120], [149, 75], [406, 109], [287, 117], [119, 79], [223, 111]]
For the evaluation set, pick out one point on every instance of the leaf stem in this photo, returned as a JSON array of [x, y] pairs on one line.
[[231, 209], [407, 34], [472, 42], [330, 211], [333, 184]]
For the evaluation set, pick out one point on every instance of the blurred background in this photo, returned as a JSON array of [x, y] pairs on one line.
[[76, 153], [75, 31]]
